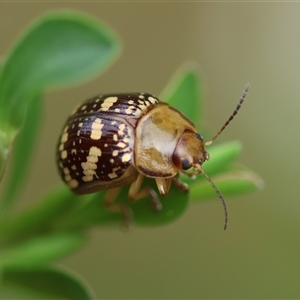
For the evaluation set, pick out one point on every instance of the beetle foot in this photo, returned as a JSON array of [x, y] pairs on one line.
[[182, 186], [127, 218], [155, 202]]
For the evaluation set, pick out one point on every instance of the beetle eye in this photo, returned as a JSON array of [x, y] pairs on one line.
[[185, 164]]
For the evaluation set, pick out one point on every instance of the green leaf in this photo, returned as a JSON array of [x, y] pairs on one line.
[[235, 182], [184, 92], [4, 146], [4, 152], [23, 151], [56, 204], [173, 207], [60, 48], [44, 282], [95, 212], [221, 156], [40, 249]]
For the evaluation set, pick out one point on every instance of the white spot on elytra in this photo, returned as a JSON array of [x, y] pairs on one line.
[[108, 103], [64, 137], [89, 167], [142, 106], [97, 129], [68, 177], [121, 145], [64, 154], [126, 157], [152, 100], [138, 112], [73, 183], [121, 129], [129, 110], [113, 174]]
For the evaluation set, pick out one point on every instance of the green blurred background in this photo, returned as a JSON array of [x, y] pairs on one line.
[[234, 43]]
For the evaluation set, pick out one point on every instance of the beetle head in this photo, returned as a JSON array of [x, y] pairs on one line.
[[190, 152]]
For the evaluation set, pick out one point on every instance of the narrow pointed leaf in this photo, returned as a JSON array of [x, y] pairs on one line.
[[44, 282], [4, 152], [232, 183], [58, 49], [40, 249], [23, 151], [184, 93], [54, 206], [221, 156]]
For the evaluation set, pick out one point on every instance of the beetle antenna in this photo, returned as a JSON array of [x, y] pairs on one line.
[[245, 92], [220, 197]]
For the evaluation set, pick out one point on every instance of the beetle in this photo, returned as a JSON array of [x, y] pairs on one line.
[[114, 140]]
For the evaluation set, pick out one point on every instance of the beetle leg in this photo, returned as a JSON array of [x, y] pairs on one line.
[[182, 186], [136, 193], [109, 201], [163, 185]]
